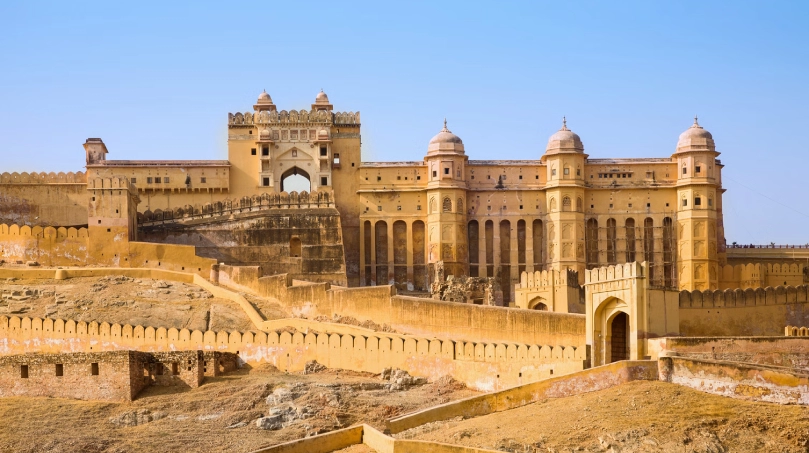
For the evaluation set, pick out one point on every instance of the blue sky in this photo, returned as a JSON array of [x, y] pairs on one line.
[[156, 81]]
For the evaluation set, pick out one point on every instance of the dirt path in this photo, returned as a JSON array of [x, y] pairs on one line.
[[635, 417]]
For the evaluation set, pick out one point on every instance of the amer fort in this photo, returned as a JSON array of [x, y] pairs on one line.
[[392, 306]]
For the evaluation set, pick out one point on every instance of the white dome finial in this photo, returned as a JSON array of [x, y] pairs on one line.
[[564, 124]]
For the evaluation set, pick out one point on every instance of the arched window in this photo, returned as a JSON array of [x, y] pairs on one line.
[[566, 204], [432, 205], [553, 204], [460, 205], [447, 205], [579, 205], [295, 247]]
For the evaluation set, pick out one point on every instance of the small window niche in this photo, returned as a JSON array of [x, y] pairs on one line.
[[60, 370], [265, 151], [324, 181], [697, 201], [94, 369], [295, 247], [175, 369], [324, 151], [24, 371]]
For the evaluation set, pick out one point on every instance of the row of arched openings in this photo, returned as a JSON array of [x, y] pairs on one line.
[[446, 205], [621, 246]]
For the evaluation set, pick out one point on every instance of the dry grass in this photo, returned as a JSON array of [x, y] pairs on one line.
[[197, 420]]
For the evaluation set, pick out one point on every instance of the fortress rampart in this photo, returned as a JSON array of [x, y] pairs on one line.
[[417, 316]]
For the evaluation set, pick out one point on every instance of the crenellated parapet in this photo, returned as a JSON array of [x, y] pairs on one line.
[[47, 232], [758, 275], [617, 272], [730, 298], [43, 178], [549, 278], [293, 117], [283, 200]]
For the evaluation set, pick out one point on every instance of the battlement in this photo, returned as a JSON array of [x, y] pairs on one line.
[[43, 178], [270, 117], [37, 231], [283, 200], [550, 278], [615, 272], [729, 298]]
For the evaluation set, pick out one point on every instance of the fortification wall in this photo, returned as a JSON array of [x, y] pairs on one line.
[[43, 198], [749, 312], [737, 380], [483, 366], [304, 242], [759, 275], [71, 247], [417, 316], [49, 246]]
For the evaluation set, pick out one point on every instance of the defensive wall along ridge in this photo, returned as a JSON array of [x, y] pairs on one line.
[[479, 364], [410, 315], [62, 246], [43, 178]]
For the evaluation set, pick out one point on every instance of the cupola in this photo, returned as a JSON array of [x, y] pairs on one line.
[[264, 102], [695, 138], [445, 142], [322, 102], [564, 141]]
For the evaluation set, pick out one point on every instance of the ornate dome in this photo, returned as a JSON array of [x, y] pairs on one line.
[[321, 98], [446, 136], [695, 132], [695, 135], [445, 141], [565, 140], [264, 98]]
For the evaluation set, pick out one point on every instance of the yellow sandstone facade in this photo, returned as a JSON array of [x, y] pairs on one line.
[[564, 211]]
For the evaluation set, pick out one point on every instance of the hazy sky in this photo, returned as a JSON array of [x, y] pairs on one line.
[[156, 81]]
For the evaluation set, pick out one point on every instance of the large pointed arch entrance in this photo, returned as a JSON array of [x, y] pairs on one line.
[[295, 180]]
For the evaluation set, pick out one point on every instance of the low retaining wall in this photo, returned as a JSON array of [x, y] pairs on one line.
[[788, 352], [737, 380], [589, 380], [367, 435]]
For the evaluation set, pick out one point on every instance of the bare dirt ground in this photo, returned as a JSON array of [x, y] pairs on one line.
[[124, 300], [220, 415], [642, 416]]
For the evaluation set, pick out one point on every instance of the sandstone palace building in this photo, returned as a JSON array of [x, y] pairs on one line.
[[591, 260], [379, 223]]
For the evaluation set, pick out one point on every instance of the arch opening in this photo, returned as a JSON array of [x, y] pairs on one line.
[[538, 303], [619, 337], [295, 247], [295, 180]]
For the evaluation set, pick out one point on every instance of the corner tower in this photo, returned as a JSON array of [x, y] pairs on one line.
[[564, 159], [698, 218], [446, 202]]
